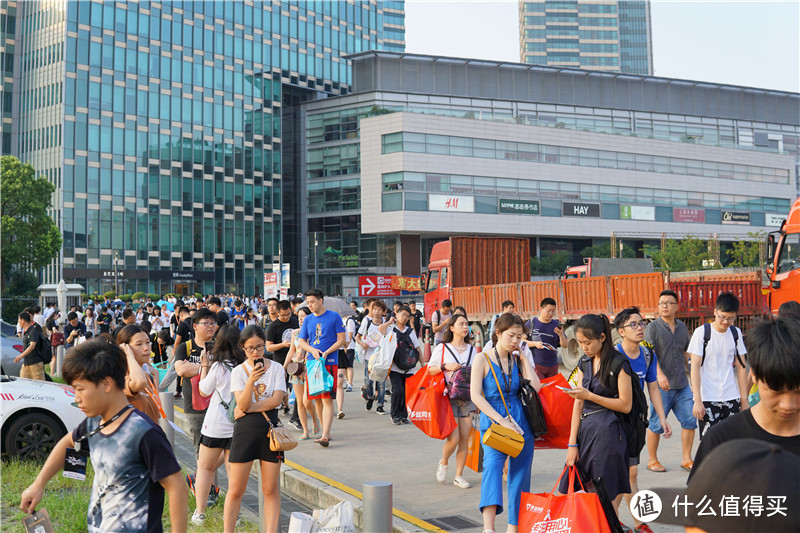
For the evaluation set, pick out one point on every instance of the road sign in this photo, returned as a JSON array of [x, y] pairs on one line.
[[376, 286]]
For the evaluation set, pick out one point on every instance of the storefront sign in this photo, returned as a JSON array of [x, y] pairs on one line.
[[444, 202], [519, 207], [735, 217], [376, 286], [637, 212], [182, 275], [405, 283], [774, 220], [270, 284], [680, 214], [572, 209]]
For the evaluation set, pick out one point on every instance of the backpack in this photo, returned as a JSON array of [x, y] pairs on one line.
[[635, 422], [405, 355], [707, 337], [460, 383], [229, 407], [44, 347]]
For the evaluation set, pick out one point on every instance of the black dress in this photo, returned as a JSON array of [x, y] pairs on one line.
[[602, 446], [250, 440]]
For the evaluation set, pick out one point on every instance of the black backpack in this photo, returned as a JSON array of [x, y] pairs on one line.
[[44, 347], [707, 337], [405, 355]]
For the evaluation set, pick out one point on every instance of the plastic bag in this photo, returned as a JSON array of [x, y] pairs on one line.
[[428, 407], [319, 379], [336, 518], [381, 360], [302, 523]]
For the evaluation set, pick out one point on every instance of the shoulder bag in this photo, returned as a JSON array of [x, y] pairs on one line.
[[502, 439], [280, 440], [531, 405]]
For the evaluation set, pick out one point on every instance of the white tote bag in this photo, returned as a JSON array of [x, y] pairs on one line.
[[335, 519], [302, 523], [381, 360]]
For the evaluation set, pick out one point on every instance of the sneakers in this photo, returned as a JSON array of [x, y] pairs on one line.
[[296, 425], [349, 388], [396, 421], [369, 405], [340, 415], [364, 394], [213, 495], [441, 472], [177, 396], [643, 528], [198, 519], [380, 410], [190, 481], [461, 483], [404, 421]]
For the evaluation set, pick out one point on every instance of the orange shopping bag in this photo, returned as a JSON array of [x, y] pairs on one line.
[[576, 512], [475, 451], [557, 413], [428, 407]]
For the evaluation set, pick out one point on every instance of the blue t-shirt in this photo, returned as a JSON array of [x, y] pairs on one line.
[[321, 333], [545, 332], [639, 365]]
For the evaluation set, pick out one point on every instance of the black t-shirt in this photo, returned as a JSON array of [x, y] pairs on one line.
[[69, 328], [193, 357], [416, 321], [185, 330], [740, 426], [222, 318], [103, 323], [32, 334], [275, 332]]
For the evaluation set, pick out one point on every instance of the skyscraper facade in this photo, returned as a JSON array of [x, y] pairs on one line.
[[167, 128], [609, 35]]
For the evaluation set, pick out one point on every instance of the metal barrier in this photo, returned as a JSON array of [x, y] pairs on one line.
[[377, 511]]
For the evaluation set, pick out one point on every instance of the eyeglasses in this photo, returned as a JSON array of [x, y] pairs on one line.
[[636, 325], [666, 304], [207, 323], [727, 319], [254, 349]]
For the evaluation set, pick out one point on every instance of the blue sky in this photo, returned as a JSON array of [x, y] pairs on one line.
[[754, 44]]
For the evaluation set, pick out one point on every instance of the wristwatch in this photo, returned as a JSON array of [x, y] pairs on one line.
[[443, 367]]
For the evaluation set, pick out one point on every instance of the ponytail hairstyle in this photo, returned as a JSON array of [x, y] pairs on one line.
[[504, 322], [448, 333], [592, 327], [227, 347]]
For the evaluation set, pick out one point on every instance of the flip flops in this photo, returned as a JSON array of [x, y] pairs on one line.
[[655, 466], [323, 442], [687, 466]]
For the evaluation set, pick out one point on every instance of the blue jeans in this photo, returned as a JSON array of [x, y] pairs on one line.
[[680, 401], [368, 385]]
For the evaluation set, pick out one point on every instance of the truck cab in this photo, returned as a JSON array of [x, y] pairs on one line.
[[435, 282], [783, 260]]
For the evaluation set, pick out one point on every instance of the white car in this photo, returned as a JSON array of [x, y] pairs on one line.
[[35, 415]]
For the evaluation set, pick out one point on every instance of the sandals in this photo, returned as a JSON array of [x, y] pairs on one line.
[[687, 466], [655, 466], [305, 437], [323, 442]]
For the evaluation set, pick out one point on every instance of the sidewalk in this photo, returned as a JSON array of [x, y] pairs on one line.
[[367, 447]]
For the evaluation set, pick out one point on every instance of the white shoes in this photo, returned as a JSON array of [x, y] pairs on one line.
[[441, 472], [461, 483], [198, 519]]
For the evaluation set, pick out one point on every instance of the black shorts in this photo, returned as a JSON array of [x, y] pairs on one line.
[[251, 439], [346, 358], [213, 442]]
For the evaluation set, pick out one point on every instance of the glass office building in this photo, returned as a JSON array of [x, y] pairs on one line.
[[610, 35], [169, 128]]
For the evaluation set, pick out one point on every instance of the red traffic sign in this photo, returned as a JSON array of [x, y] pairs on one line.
[[376, 286]]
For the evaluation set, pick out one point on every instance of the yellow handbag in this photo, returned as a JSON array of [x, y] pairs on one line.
[[502, 439]]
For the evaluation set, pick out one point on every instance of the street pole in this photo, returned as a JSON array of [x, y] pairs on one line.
[[316, 261], [377, 513], [116, 275]]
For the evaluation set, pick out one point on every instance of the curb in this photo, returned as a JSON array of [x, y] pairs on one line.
[[319, 492]]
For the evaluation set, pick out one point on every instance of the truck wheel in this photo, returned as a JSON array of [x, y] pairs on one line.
[[32, 436]]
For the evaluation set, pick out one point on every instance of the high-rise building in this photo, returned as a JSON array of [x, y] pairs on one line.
[[169, 128], [610, 35]]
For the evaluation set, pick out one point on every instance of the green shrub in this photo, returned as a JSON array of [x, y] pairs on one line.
[[110, 295], [198, 296], [139, 295], [126, 297], [154, 297]]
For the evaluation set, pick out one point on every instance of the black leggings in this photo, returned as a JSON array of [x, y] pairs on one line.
[[399, 394]]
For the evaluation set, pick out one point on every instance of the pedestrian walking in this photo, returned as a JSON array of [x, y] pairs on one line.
[[546, 335], [303, 405], [140, 386], [369, 337], [439, 320], [31, 357], [408, 345]]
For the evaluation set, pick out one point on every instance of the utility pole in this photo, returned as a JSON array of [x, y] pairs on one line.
[[316, 261], [116, 274]]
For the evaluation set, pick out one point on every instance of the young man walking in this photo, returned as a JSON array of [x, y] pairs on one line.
[[321, 336], [133, 462], [398, 376], [439, 321], [719, 376], [372, 329], [670, 339], [546, 336], [32, 363]]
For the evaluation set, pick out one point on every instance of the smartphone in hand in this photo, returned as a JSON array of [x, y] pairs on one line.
[[258, 362]]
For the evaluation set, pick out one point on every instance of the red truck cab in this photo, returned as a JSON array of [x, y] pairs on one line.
[[783, 260], [435, 281]]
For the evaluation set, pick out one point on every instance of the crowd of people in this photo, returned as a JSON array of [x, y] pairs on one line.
[[237, 360]]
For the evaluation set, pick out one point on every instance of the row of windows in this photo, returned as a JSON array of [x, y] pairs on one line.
[[40, 138], [563, 155], [575, 19], [41, 97], [8, 24], [600, 61], [524, 188], [414, 201], [563, 4], [43, 17], [346, 247], [600, 35], [333, 161], [332, 196], [42, 57]]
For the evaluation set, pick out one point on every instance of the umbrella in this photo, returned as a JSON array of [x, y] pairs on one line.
[[117, 302], [170, 307], [339, 306]]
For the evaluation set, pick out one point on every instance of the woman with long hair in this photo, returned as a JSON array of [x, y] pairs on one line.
[[495, 378], [250, 318], [140, 386], [597, 440], [157, 320], [450, 356], [91, 322], [259, 387], [304, 405], [216, 432]]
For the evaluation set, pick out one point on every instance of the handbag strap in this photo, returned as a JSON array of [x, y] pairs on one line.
[[572, 475], [499, 389]]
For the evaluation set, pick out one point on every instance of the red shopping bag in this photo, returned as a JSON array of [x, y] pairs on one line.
[[474, 451], [576, 512], [199, 402], [428, 407], [557, 413]]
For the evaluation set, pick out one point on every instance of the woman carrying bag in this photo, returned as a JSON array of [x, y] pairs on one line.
[[495, 388], [259, 387], [297, 356]]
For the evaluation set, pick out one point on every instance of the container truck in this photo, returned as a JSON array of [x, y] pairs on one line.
[[603, 266], [783, 260]]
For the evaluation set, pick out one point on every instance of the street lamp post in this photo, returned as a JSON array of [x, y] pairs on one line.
[[316, 261], [116, 274]]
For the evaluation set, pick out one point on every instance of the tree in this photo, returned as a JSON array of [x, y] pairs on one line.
[[604, 250], [550, 263], [689, 253], [30, 238], [745, 253]]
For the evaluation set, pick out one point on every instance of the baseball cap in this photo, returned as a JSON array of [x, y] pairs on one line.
[[743, 485]]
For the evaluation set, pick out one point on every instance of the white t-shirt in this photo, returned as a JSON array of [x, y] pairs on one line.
[[461, 356], [439, 318], [351, 328], [370, 335], [717, 375], [217, 383], [414, 341], [524, 350], [265, 387], [39, 319]]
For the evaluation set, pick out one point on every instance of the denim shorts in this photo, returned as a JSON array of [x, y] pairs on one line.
[[678, 401]]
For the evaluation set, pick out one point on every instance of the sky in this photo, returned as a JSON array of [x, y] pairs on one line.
[[752, 44]]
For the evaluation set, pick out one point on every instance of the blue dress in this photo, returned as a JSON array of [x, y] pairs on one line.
[[519, 467]]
